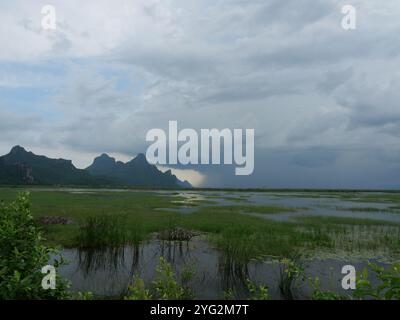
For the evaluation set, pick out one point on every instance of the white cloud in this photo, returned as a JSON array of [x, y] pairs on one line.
[[285, 68]]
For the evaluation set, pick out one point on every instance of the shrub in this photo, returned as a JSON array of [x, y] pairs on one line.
[[257, 292], [23, 254], [164, 287], [290, 271], [319, 294], [138, 291], [389, 287]]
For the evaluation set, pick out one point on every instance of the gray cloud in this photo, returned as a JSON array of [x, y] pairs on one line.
[[323, 101]]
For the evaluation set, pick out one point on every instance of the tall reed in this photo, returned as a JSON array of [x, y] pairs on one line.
[[102, 230]]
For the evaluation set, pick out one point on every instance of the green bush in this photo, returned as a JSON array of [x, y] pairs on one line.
[[164, 286], [22, 255], [138, 291], [387, 289], [257, 292], [290, 271], [319, 294]]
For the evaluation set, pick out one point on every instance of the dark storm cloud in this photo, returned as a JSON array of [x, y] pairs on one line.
[[278, 168], [323, 101]]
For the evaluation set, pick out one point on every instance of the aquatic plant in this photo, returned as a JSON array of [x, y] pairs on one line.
[[163, 287], [176, 234], [389, 287], [102, 230], [319, 294], [257, 292], [229, 294], [290, 271], [103, 258], [138, 291]]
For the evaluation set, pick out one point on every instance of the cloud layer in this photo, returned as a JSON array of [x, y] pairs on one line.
[[323, 101]]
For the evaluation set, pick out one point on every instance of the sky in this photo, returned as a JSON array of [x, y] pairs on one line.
[[323, 101]]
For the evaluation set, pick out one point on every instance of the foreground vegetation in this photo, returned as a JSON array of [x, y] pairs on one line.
[[23, 254]]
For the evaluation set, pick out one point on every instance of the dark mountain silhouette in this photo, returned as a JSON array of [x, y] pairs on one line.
[[136, 172], [20, 167], [23, 167]]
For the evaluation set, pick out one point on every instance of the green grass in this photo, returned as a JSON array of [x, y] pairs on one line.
[[102, 230], [140, 209], [392, 197], [236, 199], [315, 220], [239, 236], [370, 209], [355, 237], [355, 196], [257, 209]]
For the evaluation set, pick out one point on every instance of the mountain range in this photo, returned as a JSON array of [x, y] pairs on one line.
[[21, 167]]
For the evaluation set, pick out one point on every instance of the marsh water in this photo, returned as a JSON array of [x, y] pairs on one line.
[[108, 272], [306, 204]]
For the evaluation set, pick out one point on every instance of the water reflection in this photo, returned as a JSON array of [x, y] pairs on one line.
[[174, 251], [107, 259], [312, 204], [108, 272], [234, 274]]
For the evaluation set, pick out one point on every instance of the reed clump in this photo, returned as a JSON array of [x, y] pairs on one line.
[[102, 230]]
